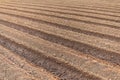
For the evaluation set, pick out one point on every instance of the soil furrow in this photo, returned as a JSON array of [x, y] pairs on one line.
[[83, 19], [88, 8], [38, 20], [50, 30], [76, 60], [8, 71], [106, 55], [60, 12], [58, 68], [108, 35], [31, 31], [96, 8], [20, 62], [76, 12], [59, 40]]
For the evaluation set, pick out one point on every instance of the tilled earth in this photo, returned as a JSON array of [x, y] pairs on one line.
[[59, 40]]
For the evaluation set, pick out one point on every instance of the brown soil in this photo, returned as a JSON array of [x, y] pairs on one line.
[[59, 40]]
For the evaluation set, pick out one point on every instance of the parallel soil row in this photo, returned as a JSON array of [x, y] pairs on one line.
[[55, 42]]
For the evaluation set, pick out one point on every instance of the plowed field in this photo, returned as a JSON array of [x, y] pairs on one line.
[[59, 40]]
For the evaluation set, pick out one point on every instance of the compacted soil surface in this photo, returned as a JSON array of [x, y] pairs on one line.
[[59, 40]]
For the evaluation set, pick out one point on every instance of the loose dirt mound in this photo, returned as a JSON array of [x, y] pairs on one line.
[[56, 40]]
